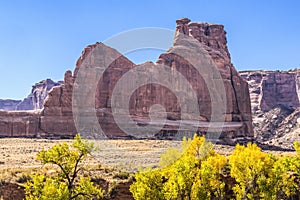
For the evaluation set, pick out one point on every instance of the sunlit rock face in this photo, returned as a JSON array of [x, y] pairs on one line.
[[57, 116]]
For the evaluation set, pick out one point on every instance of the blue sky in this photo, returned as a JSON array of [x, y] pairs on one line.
[[43, 39]]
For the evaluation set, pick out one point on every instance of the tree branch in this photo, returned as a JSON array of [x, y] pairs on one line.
[[62, 169], [75, 169]]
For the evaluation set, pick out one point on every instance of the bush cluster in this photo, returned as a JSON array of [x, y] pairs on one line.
[[198, 172]]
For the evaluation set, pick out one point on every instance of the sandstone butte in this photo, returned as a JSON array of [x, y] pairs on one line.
[[55, 119]]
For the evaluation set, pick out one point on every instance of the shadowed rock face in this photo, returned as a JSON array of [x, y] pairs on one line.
[[56, 118]]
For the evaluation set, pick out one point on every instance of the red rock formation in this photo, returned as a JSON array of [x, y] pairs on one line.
[[56, 119], [213, 38]]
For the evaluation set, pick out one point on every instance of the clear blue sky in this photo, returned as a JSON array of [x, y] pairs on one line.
[[43, 39]]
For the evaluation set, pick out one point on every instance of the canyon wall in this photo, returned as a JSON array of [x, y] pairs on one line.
[[275, 97], [271, 88]]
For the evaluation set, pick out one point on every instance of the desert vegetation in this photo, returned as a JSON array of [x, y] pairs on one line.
[[198, 172], [109, 166], [146, 169]]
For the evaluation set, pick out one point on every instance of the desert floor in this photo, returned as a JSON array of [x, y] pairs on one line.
[[128, 155], [19, 153]]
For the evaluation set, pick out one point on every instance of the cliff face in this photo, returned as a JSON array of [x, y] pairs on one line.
[[271, 88], [213, 40], [275, 97], [56, 118], [19, 123]]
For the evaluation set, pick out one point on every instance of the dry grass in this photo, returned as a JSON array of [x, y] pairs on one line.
[[128, 155], [20, 153], [17, 153]]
